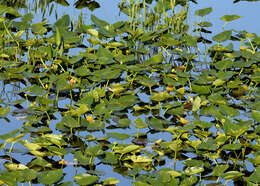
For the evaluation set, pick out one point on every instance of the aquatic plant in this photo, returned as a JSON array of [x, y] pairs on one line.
[[137, 101]]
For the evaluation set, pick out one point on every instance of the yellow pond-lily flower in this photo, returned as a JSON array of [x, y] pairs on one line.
[[183, 121], [90, 118]]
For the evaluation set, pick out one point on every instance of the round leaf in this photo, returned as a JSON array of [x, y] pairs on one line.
[[228, 18]]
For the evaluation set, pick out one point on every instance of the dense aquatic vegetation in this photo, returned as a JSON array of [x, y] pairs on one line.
[[152, 100]]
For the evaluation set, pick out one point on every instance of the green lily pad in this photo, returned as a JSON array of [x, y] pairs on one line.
[[140, 123], [229, 111], [104, 56], [66, 183], [86, 179], [69, 121], [124, 123], [109, 158], [209, 145], [194, 163], [203, 12], [110, 181], [200, 89], [57, 151], [176, 111], [217, 99], [228, 18], [196, 104], [203, 124], [129, 148], [232, 175], [128, 100], [255, 176], [205, 24], [26, 175], [50, 177], [161, 96], [219, 170], [8, 178], [82, 158], [236, 146], [39, 28], [117, 135], [14, 166], [94, 150], [235, 129], [14, 139], [139, 183], [4, 111], [223, 36], [83, 70], [156, 59], [255, 115], [189, 180], [39, 162], [95, 126], [156, 124], [105, 28], [10, 134], [193, 170], [55, 139], [100, 109], [140, 159]]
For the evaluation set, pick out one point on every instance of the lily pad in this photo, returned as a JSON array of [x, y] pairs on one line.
[[50, 177], [255, 176], [203, 12], [228, 18], [223, 36], [86, 179]]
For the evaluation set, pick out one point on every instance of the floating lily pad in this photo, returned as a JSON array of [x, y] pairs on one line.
[[110, 181], [236, 146], [50, 177], [232, 174], [209, 145], [119, 136], [200, 89], [203, 12], [223, 36], [26, 175], [69, 121], [193, 170], [255, 176], [219, 170], [14, 166], [228, 18], [86, 179], [161, 96]]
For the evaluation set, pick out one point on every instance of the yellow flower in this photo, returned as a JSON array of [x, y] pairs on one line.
[[90, 118], [243, 48], [183, 121], [73, 81], [178, 49], [33, 104], [245, 88], [63, 162], [169, 89]]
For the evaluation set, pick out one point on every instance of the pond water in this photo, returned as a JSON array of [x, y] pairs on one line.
[[113, 113]]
